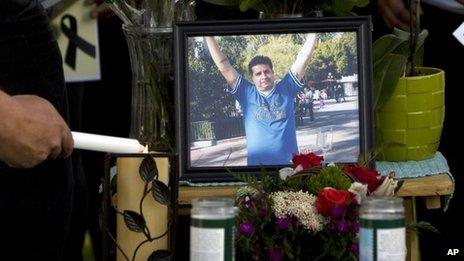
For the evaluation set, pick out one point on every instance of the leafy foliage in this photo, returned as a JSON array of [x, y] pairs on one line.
[[281, 49], [336, 54], [207, 95], [276, 7], [330, 176], [422, 226], [390, 55]]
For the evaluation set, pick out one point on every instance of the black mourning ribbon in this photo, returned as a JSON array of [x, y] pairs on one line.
[[74, 41]]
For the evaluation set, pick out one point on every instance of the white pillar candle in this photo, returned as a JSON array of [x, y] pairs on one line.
[[104, 143]]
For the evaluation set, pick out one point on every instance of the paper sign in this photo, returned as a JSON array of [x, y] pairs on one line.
[[459, 33], [77, 36]]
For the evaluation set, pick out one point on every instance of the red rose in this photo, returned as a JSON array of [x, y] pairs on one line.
[[330, 198], [372, 178], [307, 160]]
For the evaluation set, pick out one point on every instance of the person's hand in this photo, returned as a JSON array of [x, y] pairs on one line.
[[32, 131], [100, 10], [312, 37], [395, 13]]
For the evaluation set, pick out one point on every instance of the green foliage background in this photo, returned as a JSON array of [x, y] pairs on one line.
[[336, 53], [276, 7]]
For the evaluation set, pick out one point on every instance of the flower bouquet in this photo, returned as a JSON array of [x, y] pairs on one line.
[[307, 213]]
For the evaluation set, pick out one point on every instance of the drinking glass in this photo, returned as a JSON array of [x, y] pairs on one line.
[[324, 140]]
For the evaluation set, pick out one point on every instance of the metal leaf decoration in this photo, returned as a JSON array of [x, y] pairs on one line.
[[148, 170], [134, 221], [161, 255], [161, 192]]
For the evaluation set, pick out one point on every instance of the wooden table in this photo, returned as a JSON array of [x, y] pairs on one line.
[[429, 188]]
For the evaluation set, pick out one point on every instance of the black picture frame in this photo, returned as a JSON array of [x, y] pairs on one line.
[[192, 31]]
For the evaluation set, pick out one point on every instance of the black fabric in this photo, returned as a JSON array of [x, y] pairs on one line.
[[77, 228], [35, 204], [106, 110], [443, 51]]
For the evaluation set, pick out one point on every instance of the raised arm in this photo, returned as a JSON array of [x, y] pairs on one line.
[[299, 66], [221, 61]]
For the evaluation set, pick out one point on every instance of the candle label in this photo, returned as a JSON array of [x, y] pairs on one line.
[[382, 240], [212, 239]]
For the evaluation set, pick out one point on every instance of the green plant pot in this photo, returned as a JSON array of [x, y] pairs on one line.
[[408, 126]]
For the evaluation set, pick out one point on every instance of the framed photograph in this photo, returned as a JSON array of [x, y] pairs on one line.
[[251, 94]]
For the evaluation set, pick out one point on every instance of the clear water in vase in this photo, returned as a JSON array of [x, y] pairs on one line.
[[150, 50]]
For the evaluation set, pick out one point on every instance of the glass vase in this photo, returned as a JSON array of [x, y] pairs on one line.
[[150, 51], [150, 46]]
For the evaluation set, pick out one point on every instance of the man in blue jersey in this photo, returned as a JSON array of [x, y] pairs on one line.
[[268, 107]]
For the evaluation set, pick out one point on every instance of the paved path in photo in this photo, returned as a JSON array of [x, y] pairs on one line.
[[342, 117]]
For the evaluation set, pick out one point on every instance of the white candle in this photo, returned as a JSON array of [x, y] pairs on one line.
[[104, 143]]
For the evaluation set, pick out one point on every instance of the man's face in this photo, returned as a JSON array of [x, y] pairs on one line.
[[262, 76]]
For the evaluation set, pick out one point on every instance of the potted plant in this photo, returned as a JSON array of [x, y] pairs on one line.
[[408, 100]]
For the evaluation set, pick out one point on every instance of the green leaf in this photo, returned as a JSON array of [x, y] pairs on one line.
[[161, 255], [419, 57], [148, 170], [379, 71], [385, 45], [257, 5], [343, 7], [224, 2], [161, 192], [401, 34], [134, 221], [330, 176], [422, 225], [390, 54], [386, 76], [421, 39]]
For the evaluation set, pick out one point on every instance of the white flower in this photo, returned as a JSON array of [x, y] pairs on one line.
[[298, 169], [247, 191], [387, 188], [360, 191], [285, 173], [301, 205], [331, 164]]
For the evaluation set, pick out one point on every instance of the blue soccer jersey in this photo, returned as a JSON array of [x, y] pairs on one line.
[[269, 120]]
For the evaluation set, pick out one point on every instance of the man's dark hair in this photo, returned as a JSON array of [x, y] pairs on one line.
[[259, 59]]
